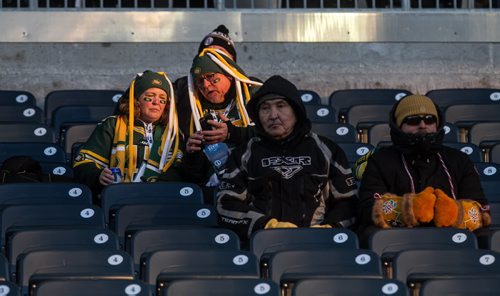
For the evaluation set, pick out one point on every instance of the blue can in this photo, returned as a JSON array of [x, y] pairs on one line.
[[117, 175]]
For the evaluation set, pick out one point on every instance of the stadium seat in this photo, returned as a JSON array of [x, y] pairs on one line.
[[39, 266], [58, 98], [181, 238], [485, 134], [165, 266], [44, 193], [116, 195], [470, 149], [17, 98], [57, 168], [309, 97], [222, 287], [414, 267], [337, 132], [387, 243], [485, 286], [264, 243], [20, 114], [342, 100], [65, 116], [363, 117], [494, 240], [4, 269], [42, 152], [321, 114], [75, 135], [494, 154], [288, 267], [26, 132], [452, 96], [354, 151], [340, 287], [133, 217], [494, 203], [54, 216], [101, 287], [9, 289], [26, 241], [488, 171], [379, 132], [464, 116]]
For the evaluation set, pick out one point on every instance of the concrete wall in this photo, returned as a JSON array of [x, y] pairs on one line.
[[417, 62]]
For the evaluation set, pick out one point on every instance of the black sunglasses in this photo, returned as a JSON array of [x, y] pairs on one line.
[[416, 119]]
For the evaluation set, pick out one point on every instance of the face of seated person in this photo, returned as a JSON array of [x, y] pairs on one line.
[[152, 103], [277, 118], [213, 87], [419, 124]]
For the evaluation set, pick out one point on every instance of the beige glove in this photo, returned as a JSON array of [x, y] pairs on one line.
[[273, 223], [322, 226]]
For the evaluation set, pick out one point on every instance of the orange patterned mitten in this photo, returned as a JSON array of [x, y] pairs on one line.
[[387, 210], [446, 209]]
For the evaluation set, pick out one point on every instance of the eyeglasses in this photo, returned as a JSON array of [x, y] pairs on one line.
[[211, 78], [416, 119]]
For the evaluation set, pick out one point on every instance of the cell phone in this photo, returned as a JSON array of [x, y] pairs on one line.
[[204, 121]]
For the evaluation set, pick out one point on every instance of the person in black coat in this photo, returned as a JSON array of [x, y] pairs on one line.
[[416, 160]]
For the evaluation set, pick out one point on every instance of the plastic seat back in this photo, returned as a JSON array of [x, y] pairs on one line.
[[343, 99], [116, 195], [17, 98], [222, 287], [58, 98], [26, 241], [338, 287], [337, 132], [20, 114], [39, 266], [133, 217], [26, 132], [44, 193], [101, 287], [182, 238], [309, 97], [165, 266]]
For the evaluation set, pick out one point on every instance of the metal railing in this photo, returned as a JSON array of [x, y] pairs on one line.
[[219, 5]]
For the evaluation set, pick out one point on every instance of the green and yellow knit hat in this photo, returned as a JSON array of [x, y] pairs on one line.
[[149, 79], [203, 64]]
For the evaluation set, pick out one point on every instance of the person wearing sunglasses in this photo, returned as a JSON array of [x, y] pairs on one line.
[[141, 143], [416, 160]]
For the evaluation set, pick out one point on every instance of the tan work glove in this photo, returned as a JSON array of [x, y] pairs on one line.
[[322, 226], [274, 223]]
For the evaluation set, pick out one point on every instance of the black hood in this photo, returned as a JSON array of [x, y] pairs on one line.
[[282, 88], [413, 144]]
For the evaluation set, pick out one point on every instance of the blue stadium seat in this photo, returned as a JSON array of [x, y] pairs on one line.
[[494, 154], [488, 171], [337, 132], [116, 195], [163, 267], [354, 151], [339, 287], [44, 193], [26, 132], [321, 113], [73, 137], [100, 287], [17, 98], [222, 287], [309, 97], [20, 114], [58, 98], [181, 238], [486, 286], [470, 149], [39, 266], [42, 152], [9, 289], [485, 134], [387, 243], [452, 96], [464, 116], [342, 100], [414, 267]]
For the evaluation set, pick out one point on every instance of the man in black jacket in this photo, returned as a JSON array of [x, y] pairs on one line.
[[286, 176], [416, 160]]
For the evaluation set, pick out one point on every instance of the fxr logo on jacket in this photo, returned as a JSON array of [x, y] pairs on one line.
[[286, 166]]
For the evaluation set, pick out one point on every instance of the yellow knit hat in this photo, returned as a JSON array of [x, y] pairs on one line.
[[414, 105]]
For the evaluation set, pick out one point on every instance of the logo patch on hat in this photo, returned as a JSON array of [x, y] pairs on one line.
[[156, 82], [197, 70], [209, 41]]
